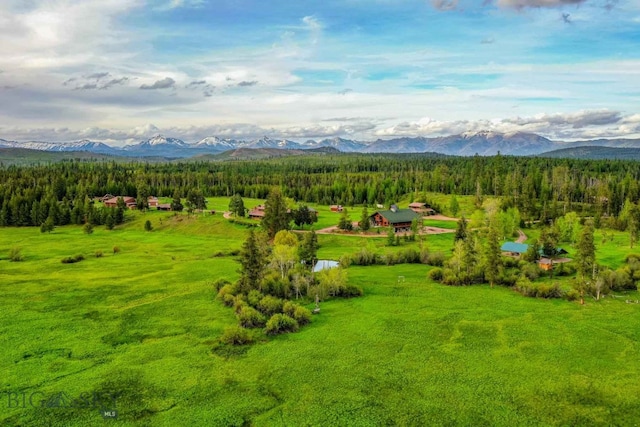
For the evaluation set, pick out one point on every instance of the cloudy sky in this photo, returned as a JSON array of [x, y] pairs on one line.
[[123, 70]]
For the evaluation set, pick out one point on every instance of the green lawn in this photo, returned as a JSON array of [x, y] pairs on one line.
[[143, 323]]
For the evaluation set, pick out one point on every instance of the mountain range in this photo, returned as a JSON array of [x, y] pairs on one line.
[[483, 143]]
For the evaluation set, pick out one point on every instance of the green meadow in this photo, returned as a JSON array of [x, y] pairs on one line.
[[144, 323]]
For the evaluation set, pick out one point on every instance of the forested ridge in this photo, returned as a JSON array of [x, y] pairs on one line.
[[539, 187]]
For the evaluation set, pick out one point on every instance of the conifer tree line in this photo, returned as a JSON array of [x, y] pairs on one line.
[[540, 188]]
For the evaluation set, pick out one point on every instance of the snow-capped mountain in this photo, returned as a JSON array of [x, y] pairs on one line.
[[266, 142], [84, 145], [215, 142], [485, 143], [158, 141]]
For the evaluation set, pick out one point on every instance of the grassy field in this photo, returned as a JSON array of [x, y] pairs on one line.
[[143, 323]]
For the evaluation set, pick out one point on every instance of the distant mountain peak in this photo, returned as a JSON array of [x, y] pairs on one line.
[[162, 140]]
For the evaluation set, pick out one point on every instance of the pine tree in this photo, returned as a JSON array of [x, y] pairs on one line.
[[493, 258], [345, 221], [47, 226], [309, 248], [110, 220], [586, 258], [461, 230], [364, 223], [276, 217], [454, 207], [391, 237], [253, 260], [236, 205], [176, 203]]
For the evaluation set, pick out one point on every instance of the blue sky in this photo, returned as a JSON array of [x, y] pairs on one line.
[[123, 70]]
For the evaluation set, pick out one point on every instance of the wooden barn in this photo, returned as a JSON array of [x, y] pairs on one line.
[[130, 202], [256, 213], [399, 219]]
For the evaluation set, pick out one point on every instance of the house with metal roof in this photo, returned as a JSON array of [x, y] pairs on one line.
[[514, 249], [399, 219]]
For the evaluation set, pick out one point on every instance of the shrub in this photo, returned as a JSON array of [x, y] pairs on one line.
[[99, 254], [565, 269], [629, 257], [548, 291], [532, 271], [218, 284], [236, 335], [228, 289], [345, 260], [435, 259], [364, 257], [436, 274], [239, 303], [254, 298], [302, 315], [148, 226], [249, 317], [88, 228], [270, 305], [281, 323], [15, 254], [229, 300], [509, 262], [572, 295], [507, 278], [525, 287], [116, 250], [73, 259], [409, 256], [289, 308], [542, 290], [351, 291]]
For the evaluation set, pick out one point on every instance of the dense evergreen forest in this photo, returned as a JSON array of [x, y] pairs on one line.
[[541, 188]]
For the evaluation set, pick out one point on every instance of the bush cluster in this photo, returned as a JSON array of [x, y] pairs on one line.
[[15, 254], [236, 335], [72, 259], [281, 323], [538, 290], [365, 257]]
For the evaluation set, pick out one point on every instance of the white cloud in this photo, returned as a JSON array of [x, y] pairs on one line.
[[176, 4], [522, 4], [59, 33], [558, 126], [314, 26], [573, 125]]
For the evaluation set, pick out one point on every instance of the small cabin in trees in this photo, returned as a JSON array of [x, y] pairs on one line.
[[399, 219], [421, 208], [153, 202], [256, 213], [336, 208], [164, 206], [129, 202]]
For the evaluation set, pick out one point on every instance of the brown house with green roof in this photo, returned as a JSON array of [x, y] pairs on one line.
[[399, 219]]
